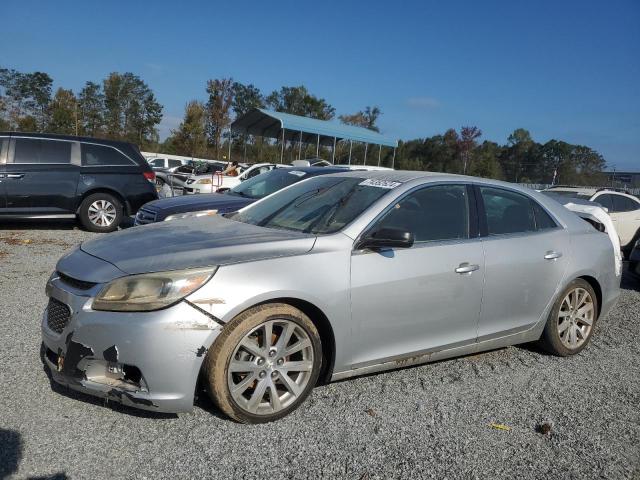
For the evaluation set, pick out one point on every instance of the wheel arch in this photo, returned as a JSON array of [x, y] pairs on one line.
[[322, 323], [110, 191], [596, 288]]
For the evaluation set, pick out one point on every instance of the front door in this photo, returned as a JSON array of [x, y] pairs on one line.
[[526, 256], [4, 149], [40, 178], [410, 301]]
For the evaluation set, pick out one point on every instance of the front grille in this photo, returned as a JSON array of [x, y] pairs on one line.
[[74, 282], [145, 216], [58, 315]]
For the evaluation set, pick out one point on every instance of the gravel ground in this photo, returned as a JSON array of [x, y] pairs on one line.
[[425, 422]]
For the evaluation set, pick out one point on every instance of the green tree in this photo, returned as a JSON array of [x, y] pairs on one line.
[[91, 110], [519, 159], [190, 138], [218, 109], [298, 101], [25, 95], [131, 111], [245, 98], [63, 113]]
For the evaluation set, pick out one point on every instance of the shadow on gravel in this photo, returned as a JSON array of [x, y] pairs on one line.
[[39, 224], [101, 402], [629, 282], [10, 453]]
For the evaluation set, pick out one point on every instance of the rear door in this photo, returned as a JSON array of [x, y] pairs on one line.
[[526, 256], [40, 177]]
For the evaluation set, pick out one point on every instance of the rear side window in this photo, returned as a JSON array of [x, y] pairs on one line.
[[433, 213], [507, 211], [606, 201], [33, 150], [624, 204], [543, 219], [99, 155]]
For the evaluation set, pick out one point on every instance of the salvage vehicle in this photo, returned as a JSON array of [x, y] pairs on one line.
[[208, 183], [334, 276], [249, 191], [177, 177], [60, 176], [623, 208]]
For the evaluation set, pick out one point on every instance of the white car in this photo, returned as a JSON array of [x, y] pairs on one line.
[[165, 163], [212, 183], [623, 208]]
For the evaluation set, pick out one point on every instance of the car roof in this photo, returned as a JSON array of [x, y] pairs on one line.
[[569, 188], [73, 138], [402, 176]]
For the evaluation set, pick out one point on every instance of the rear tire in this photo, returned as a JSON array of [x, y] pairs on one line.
[[571, 322], [100, 213], [264, 364]]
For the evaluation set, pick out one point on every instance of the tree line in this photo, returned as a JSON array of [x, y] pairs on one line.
[[122, 106]]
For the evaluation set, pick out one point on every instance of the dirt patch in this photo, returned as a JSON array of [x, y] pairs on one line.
[[18, 239]]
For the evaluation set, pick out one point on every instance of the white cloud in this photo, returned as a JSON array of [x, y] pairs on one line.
[[424, 103]]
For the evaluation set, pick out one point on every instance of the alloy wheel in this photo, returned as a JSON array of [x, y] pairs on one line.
[[102, 213], [575, 318], [270, 367]]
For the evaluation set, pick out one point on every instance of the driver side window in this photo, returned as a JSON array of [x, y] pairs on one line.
[[440, 212]]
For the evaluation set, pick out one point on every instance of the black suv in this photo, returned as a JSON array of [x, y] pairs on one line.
[[56, 176]]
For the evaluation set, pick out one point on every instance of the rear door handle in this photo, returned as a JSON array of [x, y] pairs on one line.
[[467, 268], [15, 175], [551, 255]]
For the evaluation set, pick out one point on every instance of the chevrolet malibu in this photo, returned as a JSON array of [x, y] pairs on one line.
[[335, 276]]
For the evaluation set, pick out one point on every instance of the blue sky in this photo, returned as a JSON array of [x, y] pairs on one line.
[[568, 70]]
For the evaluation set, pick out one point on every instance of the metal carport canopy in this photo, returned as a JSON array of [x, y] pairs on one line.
[[268, 123]]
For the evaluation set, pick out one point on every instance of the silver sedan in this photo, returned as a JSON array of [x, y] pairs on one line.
[[336, 276]]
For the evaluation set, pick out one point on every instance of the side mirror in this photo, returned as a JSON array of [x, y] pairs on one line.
[[386, 238]]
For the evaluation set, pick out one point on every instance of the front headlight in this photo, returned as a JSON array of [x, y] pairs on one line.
[[204, 181], [199, 213], [150, 291]]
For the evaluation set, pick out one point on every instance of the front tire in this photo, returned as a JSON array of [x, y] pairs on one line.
[[571, 322], [100, 213], [264, 364]]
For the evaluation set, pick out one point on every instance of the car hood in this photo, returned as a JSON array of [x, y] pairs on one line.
[[192, 203], [193, 243]]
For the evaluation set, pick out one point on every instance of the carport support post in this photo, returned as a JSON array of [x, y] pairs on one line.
[[282, 147], [379, 152], [333, 152], [366, 147], [393, 159], [350, 146], [318, 147], [300, 147]]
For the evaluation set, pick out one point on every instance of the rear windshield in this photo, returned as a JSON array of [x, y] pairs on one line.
[[267, 183], [569, 194], [319, 205]]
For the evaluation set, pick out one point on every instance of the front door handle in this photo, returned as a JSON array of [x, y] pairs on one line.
[[551, 255], [467, 268], [15, 175]]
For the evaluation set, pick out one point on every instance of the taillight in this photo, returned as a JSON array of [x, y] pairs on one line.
[[151, 176]]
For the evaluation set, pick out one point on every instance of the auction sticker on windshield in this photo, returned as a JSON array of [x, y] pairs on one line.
[[370, 182], [297, 173]]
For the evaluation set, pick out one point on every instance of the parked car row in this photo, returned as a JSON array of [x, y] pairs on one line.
[[334, 275]]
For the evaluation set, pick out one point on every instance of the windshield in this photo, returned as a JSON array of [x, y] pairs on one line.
[[266, 183], [318, 206]]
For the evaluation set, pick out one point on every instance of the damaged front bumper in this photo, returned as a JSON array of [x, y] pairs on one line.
[[148, 360]]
